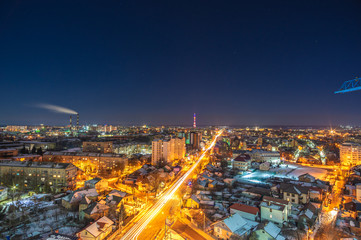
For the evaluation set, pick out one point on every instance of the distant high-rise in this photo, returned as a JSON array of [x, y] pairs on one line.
[[350, 154], [194, 120], [166, 151], [194, 139]]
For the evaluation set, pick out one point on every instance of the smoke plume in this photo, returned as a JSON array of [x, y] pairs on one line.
[[56, 109]]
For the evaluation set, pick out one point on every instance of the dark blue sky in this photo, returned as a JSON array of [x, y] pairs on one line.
[[157, 62]]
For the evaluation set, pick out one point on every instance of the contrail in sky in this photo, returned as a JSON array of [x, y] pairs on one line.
[[56, 109]]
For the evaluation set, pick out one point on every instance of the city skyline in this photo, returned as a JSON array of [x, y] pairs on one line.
[[134, 63]]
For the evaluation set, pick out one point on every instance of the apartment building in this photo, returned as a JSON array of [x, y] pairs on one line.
[[166, 151], [44, 176]]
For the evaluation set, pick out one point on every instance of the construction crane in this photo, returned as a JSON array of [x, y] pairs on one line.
[[350, 86]]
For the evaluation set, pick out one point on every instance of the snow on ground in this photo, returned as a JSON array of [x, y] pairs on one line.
[[39, 216], [293, 170]]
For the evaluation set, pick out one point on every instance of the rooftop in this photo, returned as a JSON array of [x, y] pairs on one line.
[[245, 208], [10, 163]]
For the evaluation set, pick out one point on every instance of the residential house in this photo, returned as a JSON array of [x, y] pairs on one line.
[[98, 230], [116, 198], [295, 193], [234, 226], [275, 210], [306, 178], [246, 211], [308, 216], [94, 211], [264, 166], [316, 194], [125, 197], [84, 203], [99, 184], [192, 202], [268, 231], [242, 162], [71, 201]]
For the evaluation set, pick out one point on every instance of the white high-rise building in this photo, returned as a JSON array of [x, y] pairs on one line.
[[350, 154], [166, 151]]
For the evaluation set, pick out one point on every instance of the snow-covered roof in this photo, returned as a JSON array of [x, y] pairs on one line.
[[77, 196], [235, 222], [272, 229], [309, 214], [239, 225], [58, 236], [99, 226]]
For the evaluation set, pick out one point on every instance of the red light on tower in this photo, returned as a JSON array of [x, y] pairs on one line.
[[194, 120]]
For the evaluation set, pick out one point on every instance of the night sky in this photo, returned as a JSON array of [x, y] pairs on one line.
[[157, 62]]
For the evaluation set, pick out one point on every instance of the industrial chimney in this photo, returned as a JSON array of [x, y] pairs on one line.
[[77, 121]]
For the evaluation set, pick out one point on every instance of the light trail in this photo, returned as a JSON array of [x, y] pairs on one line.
[[142, 223]]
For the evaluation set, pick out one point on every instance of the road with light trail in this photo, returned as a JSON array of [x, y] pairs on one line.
[[141, 225]]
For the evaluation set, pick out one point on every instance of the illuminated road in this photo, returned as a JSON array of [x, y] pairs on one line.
[[143, 222]]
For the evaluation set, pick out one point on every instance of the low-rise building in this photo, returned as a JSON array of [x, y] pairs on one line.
[[98, 230], [192, 202], [294, 193], [99, 184], [308, 216], [98, 147], [275, 210], [264, 156], [248, 212], [45, 175], [89, 162], [94, 211], [72, 200], [268, 231], [234, 226], [242, 162]]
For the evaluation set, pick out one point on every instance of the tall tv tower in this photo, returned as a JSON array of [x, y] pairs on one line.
[[194, 120]]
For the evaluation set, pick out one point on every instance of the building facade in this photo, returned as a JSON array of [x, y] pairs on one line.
[[194, 139], [98, 147], [89, 162], [242, 162], [350, 154], [166, 151], [43, 176], [275, 210]]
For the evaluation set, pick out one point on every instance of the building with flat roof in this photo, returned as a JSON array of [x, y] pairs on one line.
[[89, 162], [350, 154], [98, 147], [166, 151], [42, 176]]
